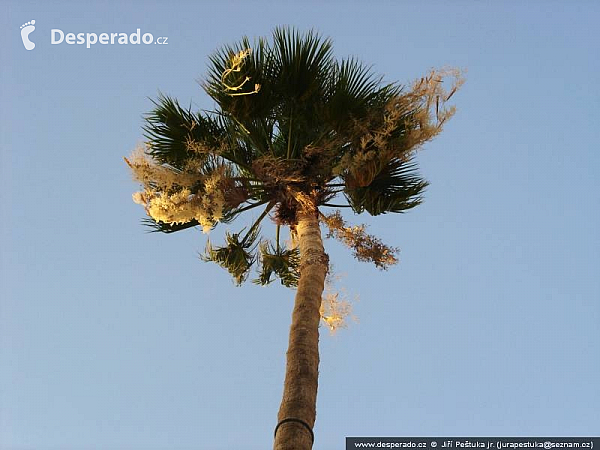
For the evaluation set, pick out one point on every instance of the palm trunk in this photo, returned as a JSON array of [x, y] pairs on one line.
[[297, 413]]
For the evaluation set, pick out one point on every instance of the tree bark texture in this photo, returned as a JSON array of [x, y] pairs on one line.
[[297, 413]]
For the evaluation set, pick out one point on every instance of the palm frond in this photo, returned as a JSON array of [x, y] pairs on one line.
[[303, 64], [355, 93], [294, 75], [283, 263], [236, 257], [161, 227], [255, 69], [396, 188], [170, 128]]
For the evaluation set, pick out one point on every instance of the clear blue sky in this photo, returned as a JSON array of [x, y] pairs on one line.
[[114, 339]]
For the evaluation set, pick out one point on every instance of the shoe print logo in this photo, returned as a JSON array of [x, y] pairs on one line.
[[26, 30]]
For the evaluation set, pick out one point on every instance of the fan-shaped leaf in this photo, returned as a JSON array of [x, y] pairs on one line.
[[282, 263], [396, 188], [237, 256]]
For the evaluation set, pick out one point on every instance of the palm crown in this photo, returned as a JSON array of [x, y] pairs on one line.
[[293, 126]]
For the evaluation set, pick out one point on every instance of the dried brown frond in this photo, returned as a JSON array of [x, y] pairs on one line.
[[317, 160], [234, 193], [272, 170], [286, 212], [366, 247]]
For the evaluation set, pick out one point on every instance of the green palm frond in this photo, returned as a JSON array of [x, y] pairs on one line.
[[256, 67], [237, 256], [355, 93], [161, 227], [170, 128], [294, 74], [396, 188], [303, 64], [282, 263]]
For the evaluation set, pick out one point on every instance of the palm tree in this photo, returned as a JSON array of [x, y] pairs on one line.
[[293, 129]]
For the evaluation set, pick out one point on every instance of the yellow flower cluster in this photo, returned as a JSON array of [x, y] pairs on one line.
[[148, 172], [334, 310], [167, 195]]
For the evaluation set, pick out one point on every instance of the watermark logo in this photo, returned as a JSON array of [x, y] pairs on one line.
[[59, 36], [26, 30]]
